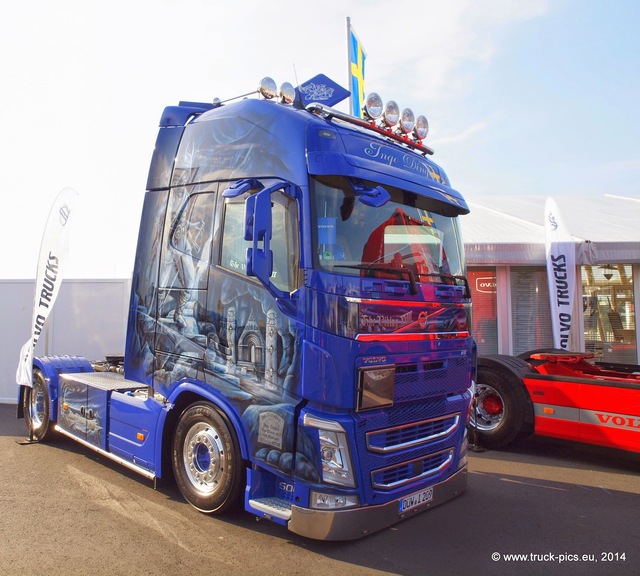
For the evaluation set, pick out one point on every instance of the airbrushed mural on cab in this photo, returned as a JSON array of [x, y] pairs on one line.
[[227, 333]]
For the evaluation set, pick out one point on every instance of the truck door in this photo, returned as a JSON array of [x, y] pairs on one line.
[[259, 337]]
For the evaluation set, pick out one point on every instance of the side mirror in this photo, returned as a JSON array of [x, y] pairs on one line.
[[257, 229], [374, 196]]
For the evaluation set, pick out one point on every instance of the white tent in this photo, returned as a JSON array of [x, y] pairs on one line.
[[509, 230]]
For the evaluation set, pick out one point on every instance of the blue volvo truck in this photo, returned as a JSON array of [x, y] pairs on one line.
[[299, 333]]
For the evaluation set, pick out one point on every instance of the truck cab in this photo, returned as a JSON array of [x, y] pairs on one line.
[[299, 336]]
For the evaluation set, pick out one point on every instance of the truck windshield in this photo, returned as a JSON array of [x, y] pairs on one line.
[[402, 237]]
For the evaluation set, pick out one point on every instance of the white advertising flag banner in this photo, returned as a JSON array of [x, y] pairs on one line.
[[54, 252], [561, 273]]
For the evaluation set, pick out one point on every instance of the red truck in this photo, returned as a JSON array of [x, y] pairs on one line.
[[558, 394]]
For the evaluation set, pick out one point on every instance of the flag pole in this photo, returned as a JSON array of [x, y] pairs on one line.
[[349, 60]]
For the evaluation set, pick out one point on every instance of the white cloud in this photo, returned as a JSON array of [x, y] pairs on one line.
[[463, 136], [630, 165], [435, 54], [84, 84]]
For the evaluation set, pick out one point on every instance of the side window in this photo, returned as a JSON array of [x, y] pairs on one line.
[[188, 243], [234, 246], [284, 240]]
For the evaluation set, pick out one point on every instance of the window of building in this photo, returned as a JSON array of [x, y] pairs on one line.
[[609, 315], [530, 310], [482, 282]]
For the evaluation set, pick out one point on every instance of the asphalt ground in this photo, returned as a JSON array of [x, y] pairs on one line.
[[545, 507]]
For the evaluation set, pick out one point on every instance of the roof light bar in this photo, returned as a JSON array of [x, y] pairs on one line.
[[368, 123], [389, 119]]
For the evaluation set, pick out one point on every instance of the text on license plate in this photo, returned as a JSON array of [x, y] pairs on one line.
[[416, 499]]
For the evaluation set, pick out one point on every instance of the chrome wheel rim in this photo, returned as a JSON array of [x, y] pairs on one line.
[[489, 408], [36, 407], [203, 458]]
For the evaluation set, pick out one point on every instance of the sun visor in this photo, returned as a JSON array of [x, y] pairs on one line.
[[382, 163]]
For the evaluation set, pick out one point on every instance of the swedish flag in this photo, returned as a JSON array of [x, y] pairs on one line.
[[357, 57]]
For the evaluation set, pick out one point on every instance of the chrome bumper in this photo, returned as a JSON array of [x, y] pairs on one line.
[[357, 522]]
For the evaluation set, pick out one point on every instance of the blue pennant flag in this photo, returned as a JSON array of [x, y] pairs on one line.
[[321, 89]]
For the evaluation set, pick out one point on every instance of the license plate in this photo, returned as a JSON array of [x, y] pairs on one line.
[[416, 499]]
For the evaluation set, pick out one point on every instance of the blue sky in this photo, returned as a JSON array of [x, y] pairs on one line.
[[560, 100], [524, 97]]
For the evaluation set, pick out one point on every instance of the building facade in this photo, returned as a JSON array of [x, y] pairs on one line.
[[508, 276]]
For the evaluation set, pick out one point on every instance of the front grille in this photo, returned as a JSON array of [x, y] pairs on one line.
[[393, 454], [412, 435], [406, 472], [429, 379]]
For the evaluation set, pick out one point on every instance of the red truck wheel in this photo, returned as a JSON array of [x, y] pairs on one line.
[[489, 408], [503, 412], [207, 463]]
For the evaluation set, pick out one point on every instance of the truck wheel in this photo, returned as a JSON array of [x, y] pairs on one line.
[[36, 405], [207, 462], [501, 408]]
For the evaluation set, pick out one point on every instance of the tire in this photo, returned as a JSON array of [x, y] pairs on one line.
[[207, 463], [503, 412], [36, 407]]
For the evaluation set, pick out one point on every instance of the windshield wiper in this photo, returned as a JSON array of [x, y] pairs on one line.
[[463, 279], [411, 274], [413, 285]]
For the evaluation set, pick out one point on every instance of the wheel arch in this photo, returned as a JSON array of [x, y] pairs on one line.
[[187, 393], [51, 368], [517, 367]]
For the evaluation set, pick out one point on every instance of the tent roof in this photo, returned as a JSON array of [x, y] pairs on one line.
[[509, 230]]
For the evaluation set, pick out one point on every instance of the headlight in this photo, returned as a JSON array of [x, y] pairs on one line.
[[464, 449], [472, 403], [335, 456]]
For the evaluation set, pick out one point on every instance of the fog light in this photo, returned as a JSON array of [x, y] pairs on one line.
[[472, 403], [333, 501], [464, 450]]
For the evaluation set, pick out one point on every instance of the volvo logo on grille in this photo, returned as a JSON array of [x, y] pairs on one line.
[[375, 360]]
